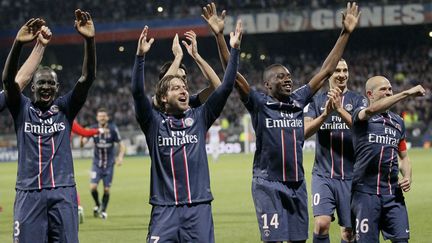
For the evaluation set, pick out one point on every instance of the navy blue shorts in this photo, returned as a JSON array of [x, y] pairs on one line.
[[106, 175], [185, 223], [375, 213], [281, 209], [47, 215], [330, 195]]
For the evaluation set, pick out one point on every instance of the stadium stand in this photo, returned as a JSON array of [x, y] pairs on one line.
[[401, 53]]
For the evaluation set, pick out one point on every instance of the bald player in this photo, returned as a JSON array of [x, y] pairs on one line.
[[379, 140]]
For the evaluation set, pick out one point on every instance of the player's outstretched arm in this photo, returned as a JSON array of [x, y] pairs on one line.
[[387, 102], [217, 100], [142, 104], [84, 132], [25, 73], [178, 57], [406, 171], [349, 21], [217, 24], [27, 33], [206, 69], [85, 27]]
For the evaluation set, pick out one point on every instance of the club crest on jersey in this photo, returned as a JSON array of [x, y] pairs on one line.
[[188, 122], [54, 108], [348, 107]]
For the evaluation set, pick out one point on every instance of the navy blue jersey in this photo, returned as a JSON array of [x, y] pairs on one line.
[[194, 101], [279, 134], [104, 146], [44, 150], [376, 144], [2, 100], [334, 152], [177, 145]]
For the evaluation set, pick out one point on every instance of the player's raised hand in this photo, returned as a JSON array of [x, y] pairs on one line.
[[44, 35], [235, 38], [215, 22], [328, 107], [191, 48], [144, 44], [417, 91], [84, 24], [334, 95], [405, 184], [176, 48], [30, 30], [350, 17]]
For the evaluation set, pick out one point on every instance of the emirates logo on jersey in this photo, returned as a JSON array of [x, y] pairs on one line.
[[47, 126], [336, 123], [178, 138]]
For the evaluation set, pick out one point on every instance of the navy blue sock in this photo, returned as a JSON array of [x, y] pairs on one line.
[[105, 199], [95, 196], [321, 238]]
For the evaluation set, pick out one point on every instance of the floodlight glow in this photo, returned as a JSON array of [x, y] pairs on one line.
[[160, 9], [121, 48]]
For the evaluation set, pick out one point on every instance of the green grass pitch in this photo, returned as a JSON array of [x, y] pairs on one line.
[[233, 210]]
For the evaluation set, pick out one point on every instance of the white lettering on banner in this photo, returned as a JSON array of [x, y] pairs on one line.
[[321, 19], [255, 23], [392, 15], [338, 16], [291, 21], [229, 24], [371, 16], [226, 148], [9, 155], [248, 21], [268, 22], [413, 14]]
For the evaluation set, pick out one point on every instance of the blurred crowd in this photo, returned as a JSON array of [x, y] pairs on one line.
[[14, 13], [404, 67]]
